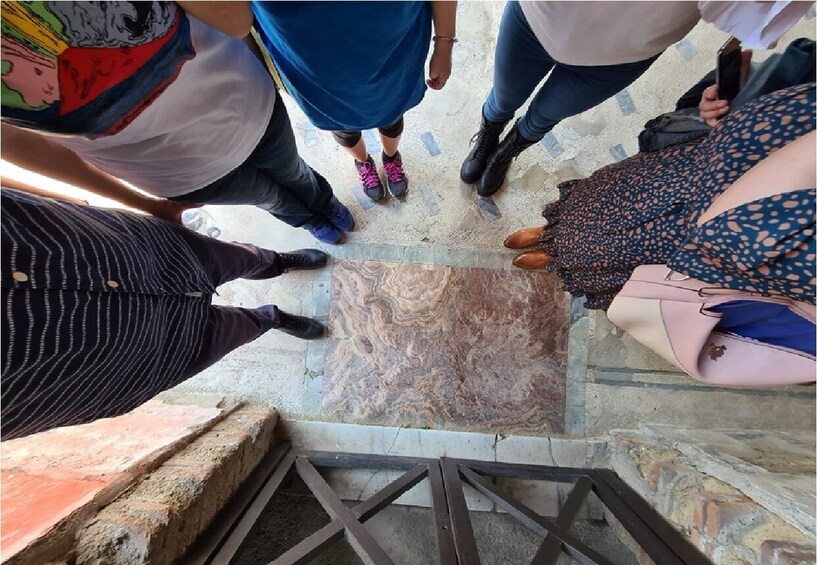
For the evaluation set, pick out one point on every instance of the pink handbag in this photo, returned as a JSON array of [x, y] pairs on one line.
[[669, 313]]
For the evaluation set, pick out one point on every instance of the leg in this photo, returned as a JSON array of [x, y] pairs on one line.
[[520, 63], [396, 178], [249, 185], [277, 157], [390, 137], [352, 142], [570, 90]]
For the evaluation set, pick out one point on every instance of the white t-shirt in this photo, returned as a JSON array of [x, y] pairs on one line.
[[612, 33], [608, 33], [204, 125]]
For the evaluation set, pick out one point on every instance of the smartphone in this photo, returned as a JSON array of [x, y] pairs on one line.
[[728, 70]]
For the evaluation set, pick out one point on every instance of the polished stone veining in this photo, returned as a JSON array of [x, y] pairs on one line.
[[446, 347]]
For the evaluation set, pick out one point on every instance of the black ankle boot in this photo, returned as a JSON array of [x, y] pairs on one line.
[[500, 161], [485, 142], [303, 260], [300, 326]]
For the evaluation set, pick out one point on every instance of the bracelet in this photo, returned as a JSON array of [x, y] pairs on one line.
[[445, 38]]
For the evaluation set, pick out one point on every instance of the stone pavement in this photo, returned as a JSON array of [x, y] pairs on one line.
[[507, 355]]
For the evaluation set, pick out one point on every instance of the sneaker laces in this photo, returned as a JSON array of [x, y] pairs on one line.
[[394, 170], [368, 175]]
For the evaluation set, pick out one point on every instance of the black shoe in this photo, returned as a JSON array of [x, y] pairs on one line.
[[485, 142], [500, 161], [303, 260], [300, 326]]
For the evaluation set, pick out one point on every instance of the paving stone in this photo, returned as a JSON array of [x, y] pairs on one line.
[[618, 153], [550, 143], [426, 345], [430, 143], [429, 200], [487, 206], [686, 49], [625, 102]]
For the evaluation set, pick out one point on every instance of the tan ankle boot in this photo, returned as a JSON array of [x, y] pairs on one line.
[[524, 238], [532, 260]]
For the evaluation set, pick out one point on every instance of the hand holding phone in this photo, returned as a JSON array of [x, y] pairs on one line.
[[728, 70]]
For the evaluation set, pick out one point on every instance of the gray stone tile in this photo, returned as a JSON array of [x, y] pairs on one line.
[[625, 102], [488, 208], [431, 144], [610, 347], [311, 138], [320, 293], [550, 143], [312, 398], [576, 383], [613, 402], [363, 201], [388, 253], [686, 49], [372, 141], [618, 152], [429, 200], [422, 254], [810, 14]]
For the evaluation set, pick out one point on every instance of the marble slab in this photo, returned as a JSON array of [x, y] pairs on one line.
[[446, 347]]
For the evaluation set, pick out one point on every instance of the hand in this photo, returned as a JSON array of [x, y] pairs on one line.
[[711, 107], [439, 67], [168, 209]]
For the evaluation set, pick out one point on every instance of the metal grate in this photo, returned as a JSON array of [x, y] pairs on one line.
[[455, 536]]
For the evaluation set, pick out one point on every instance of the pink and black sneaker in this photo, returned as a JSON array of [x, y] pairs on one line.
[[369, 179], [396, 178]]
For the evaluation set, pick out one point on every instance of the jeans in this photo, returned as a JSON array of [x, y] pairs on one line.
[[520, 63], [274, 178]]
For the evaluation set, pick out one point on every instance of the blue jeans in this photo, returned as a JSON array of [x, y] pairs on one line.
[[520, 63], [274, 178]]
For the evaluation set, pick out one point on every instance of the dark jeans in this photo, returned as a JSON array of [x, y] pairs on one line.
[[273, 178], [521, 62]]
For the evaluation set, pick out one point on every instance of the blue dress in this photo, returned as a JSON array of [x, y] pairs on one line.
[[349, 65]]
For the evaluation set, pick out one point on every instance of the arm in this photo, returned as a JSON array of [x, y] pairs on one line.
[[444, 14], [232, 18], [44, 192], [38, 154]]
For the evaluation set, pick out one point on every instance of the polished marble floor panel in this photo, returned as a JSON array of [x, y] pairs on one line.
[[446, 347]]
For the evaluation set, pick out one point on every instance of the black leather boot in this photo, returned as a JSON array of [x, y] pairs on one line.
[[500, 161], [485, 142], [303, 260], [300, 326]]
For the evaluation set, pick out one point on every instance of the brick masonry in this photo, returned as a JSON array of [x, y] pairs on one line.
[[726, 525], [161, 516]]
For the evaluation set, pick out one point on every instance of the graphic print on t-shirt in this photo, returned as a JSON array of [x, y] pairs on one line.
[[88, 68]]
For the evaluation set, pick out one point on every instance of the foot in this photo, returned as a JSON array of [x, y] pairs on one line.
[[532, 260], [524, 238], [300, 326], [369, 179], [340, 216], [396, 178], [499, 163], [485, 142], [303, 260], [325, 232]]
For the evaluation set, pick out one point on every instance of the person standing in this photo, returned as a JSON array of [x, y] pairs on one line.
[[592, 50], [103, 309], [352, 66], [161, 95]]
